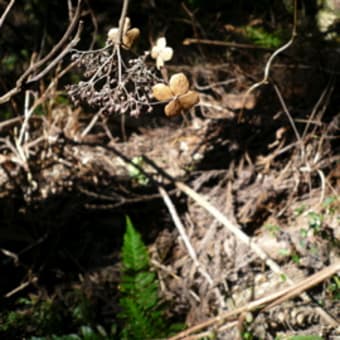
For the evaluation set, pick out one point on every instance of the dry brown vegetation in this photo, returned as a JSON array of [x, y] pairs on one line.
[[237, 196]]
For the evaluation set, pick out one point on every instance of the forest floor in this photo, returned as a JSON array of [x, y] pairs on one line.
[[237, 200]]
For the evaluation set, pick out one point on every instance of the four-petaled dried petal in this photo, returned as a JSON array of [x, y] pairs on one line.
[[161, 52], [178, 93], [128, 35], [179, 84], [162, 92]]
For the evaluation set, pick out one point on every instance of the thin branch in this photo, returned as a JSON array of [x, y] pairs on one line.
[[120, 34], [122, 20], [67, 49], [184, 236], [290, 118], [265, 78], [62, 41], [190, 41], [21, 287], [324, 98], [5, 13], [47, 59]]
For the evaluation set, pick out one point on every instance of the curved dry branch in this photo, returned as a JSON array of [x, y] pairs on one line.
[[50, 60]]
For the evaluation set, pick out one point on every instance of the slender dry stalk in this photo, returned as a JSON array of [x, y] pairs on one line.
[[6, 11], [183, 234], [190, 41], [265, 79]]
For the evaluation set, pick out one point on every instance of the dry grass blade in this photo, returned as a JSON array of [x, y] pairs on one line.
[[185, 238]]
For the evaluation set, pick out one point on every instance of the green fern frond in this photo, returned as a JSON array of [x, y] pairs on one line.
[[134, 253], [142, 287], [141, 312], [138, 325]]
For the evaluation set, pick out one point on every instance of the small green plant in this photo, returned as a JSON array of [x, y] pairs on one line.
[[135, 173], [333, 288], [315, 221], [329, 205], [303, 235], [141, 312], [300, 210], [247, 336], [273, 229], [86, 333], [262, 38], [36, 317]]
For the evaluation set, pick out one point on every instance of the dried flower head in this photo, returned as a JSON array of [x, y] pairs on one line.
[[161, 52], [178, 93], [101, 89], [128, 35]]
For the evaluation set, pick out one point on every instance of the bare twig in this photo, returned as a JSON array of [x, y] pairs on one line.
[[55, 61], [120, 34], [10, 122], [184, 236], [306, 284], [324, 98], [6, 11], [194, 24], [21, 287], [291, 120], [24, 78], [95, 25], [190, 41], [265, 78], [61, 42]]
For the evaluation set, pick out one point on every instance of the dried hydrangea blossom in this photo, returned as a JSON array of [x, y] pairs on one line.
[[177, 93], [102, 90], [128, 35], [161, 52]]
